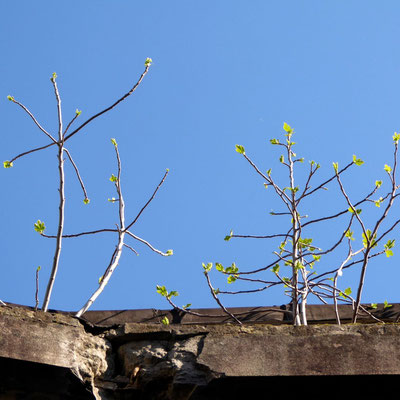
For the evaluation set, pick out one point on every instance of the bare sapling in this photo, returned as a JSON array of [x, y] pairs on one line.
[[122, 230], [59, 140], [293, 263]]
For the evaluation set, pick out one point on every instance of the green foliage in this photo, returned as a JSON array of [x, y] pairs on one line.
[[275, 269], [164, 292], [240, 149], [298, 265], [113, 178], [7, 164], [53, 77], [378, 184], [207, 267], [165, 321], [39, 226], [396, 137], [378, 202], [388, 246], [368, 240], [148, 62], [335, 166], [78, 112], [274, 141], [349, 234], [387, 305], [86, 200], [114, 142], [228, 237], [358, 210], [288, 128], [387, 168], [357, 161], [232, 270], [169, 252], [306, 243], [10, 98], [346, 293], [219, 267]]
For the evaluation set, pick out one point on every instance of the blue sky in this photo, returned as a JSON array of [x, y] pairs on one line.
[[223, 73]]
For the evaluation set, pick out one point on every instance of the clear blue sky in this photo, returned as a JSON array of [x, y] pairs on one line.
[[224, 73]]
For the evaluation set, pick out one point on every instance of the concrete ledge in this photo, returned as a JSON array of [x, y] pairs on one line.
[[183, 361]]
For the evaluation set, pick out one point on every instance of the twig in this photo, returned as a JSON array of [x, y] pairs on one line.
[[35, 121], [147, 244], [218, 301], [110, 107], [37, 289], [77, 173], [150, 199]]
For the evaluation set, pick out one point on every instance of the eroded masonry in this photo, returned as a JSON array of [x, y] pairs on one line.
[[130, 354]]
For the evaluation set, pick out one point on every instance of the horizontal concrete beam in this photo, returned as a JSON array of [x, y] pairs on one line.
[[182, 359]]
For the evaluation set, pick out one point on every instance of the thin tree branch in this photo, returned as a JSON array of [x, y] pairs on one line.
[[110, 107], [35, 120], [77, 173], [61, 207], [149, 201], [218, 301], [147, 244]]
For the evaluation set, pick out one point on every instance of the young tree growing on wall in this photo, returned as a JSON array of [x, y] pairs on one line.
[[63, 135], [293, 263]]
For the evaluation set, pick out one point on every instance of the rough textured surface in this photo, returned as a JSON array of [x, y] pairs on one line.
[[55, 356], [52, 339]]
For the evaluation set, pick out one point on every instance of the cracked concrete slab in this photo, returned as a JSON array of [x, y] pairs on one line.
[[181, 361]]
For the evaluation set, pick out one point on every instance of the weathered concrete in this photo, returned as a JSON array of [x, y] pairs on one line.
[[180, 361], [52, 339]]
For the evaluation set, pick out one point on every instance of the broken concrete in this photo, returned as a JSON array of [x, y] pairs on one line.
[[56, 356]]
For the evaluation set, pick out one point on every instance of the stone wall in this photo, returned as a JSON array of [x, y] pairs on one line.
[[56, 356]]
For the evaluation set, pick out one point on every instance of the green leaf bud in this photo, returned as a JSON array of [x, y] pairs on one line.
[[39, 226], [357, 161], [162, 290], [240, 149], [288, 128], [387, 305], [387, 168]]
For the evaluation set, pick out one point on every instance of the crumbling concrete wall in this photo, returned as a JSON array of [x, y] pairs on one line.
[[153, 361]]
